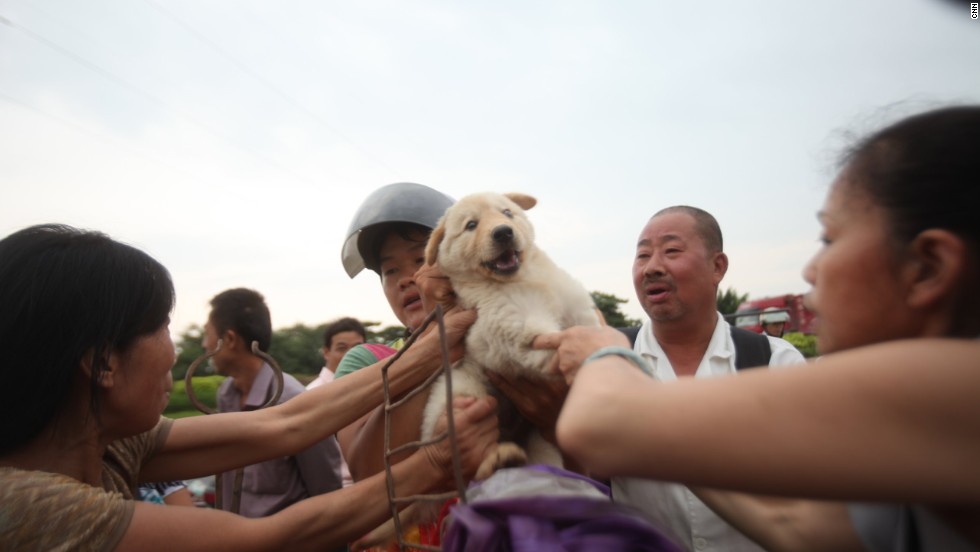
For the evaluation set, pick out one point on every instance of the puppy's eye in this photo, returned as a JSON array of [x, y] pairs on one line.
[[508, 213], [471, 225]]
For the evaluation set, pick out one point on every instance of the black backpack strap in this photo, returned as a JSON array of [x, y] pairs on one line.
[[751, 349], [631, 334]]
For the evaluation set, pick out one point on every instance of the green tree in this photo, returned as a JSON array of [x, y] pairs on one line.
[[608, 304], [383, 335], [297, 348], [729, 301]]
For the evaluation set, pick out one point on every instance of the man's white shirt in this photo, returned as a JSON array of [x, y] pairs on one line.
[[673, 508]]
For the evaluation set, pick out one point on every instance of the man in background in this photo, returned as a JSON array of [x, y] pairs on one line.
[[678, 266], [238, 317], [774, 321], [339, 337]]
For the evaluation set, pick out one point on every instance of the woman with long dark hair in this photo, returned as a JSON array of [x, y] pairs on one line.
[[85, 363], [883, 433]]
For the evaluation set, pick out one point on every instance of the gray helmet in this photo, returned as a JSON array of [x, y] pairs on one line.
[[401, 202]]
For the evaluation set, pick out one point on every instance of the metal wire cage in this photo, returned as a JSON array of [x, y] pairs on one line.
[[390, 406]]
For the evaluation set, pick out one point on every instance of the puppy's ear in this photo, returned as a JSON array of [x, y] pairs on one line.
[[432, 248], [524, 201]]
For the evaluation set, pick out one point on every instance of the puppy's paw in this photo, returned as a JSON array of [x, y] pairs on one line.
[[505, 455]]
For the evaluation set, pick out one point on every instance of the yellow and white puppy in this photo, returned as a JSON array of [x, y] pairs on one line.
[[485, 245]]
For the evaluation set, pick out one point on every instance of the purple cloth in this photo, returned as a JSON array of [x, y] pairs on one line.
[[561, 472], [551, 524]]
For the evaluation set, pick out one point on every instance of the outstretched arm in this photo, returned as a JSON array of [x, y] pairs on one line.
[[325, 521], [895, 421], [211, 444]]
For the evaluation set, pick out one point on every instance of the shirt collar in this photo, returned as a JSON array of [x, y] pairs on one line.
[[720, 346], [259, 393]]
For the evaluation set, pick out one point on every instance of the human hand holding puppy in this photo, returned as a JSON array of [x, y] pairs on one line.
[[435, 288], [538, 400], [475, 423], [476, 433], [574, 345]]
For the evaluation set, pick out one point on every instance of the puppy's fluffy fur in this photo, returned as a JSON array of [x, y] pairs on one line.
[[485, 245]]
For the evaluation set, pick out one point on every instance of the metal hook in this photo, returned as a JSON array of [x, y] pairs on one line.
[[274, 399], [208, 354], [190, 374]]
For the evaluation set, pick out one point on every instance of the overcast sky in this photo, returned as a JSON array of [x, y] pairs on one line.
[[233, 140]]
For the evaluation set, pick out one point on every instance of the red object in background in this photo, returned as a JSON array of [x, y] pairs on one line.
[[801, 319]]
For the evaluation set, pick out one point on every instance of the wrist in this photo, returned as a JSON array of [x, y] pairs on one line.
[[624, 353], [416, 474], [416, 363], [427, 358], [441, 476]]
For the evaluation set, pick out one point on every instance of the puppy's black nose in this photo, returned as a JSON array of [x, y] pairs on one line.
[[503, 234]]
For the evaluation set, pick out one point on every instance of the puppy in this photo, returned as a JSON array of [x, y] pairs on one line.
[[485, 245]]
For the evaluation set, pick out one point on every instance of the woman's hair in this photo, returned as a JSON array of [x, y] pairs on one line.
[[924, 171], [68, 296]]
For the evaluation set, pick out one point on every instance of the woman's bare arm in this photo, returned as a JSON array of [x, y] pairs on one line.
[[896, 421], [324, 521], [211, 444]]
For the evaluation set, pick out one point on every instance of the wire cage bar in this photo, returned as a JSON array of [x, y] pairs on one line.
[[391, 405]]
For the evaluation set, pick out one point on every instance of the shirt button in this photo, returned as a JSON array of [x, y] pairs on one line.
[[700, 543]]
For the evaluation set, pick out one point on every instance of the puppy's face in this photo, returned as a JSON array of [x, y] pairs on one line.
[[487, 234]]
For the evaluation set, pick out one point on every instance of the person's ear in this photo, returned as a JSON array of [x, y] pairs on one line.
[[720, 265], [936, 266], [231, 341], [109, 371]]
